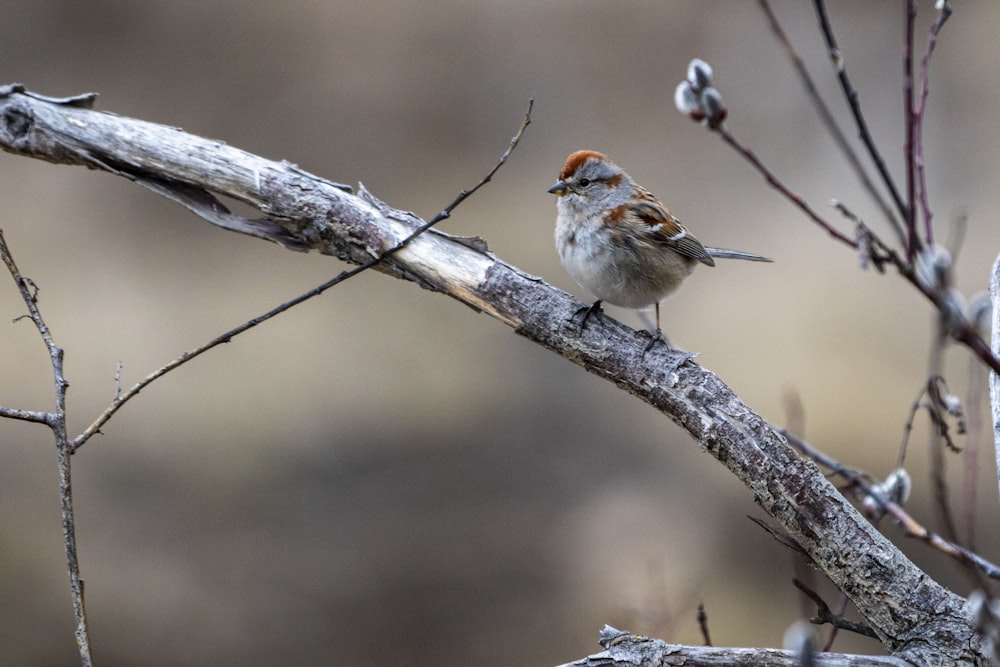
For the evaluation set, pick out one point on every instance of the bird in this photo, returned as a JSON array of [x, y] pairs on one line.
[[620, 242]]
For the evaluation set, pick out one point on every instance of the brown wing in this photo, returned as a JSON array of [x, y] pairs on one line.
[[666, 229]]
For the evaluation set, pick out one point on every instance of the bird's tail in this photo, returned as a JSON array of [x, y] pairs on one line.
[[723, 253]]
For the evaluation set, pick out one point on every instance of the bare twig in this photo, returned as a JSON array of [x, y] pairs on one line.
[[776, 183], [123, 397], [834, 630], [830, 122], [975, 436], [55, 420], [825, 615], [837, 59], [918, 121], [910, 153], [938, 407], [879, 253]]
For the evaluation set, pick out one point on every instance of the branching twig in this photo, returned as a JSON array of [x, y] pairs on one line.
[[960, 328], [825, 615], [830, 122], [852, 100], [55, 420], [701, 101], [775, 183], [939, 405], [122, 398]]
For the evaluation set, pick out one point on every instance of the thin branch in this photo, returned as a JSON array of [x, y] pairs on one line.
[[830, 122], [918, 120], [837, 59], [940, 431], [910, 153], [56, 421], [122, 398], [25, 415], [775, 183], [702, 102], [834, 630], [937, 408], [825, 615], [959, 326], [977, 381]]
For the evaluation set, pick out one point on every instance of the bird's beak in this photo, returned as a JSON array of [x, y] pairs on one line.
[[559, 189]]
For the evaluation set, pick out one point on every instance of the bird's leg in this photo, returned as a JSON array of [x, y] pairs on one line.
[[657, 336]]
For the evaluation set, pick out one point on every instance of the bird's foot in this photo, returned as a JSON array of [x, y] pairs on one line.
[[654, 338], [586, 312]]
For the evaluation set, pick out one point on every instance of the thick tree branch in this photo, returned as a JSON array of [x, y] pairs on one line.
[[913, 616]]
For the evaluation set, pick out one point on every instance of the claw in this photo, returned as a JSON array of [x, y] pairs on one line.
[[586, 312], [655, 338]]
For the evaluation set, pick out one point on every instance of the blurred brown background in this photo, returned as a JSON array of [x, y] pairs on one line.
[[381, 475]]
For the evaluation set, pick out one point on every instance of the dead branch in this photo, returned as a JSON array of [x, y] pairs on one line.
[[624, 648], [913, 616]]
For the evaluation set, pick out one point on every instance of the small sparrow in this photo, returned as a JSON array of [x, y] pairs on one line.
[[619, 241]]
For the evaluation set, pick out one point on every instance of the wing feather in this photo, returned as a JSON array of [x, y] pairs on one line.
[[666, 230]]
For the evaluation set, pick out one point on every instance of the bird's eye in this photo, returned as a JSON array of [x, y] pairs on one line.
[[584, 182]]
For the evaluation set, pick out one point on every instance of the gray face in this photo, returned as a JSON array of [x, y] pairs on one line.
[[595, 183]]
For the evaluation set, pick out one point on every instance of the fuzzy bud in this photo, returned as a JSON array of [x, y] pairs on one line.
[[699, 74], [685, 99], [898, 486], [711, 104], [697, 99], [895, 489]]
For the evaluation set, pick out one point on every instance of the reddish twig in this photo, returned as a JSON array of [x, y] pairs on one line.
[[826, 116], [775, 183], [959, 327], [918, 121], [910, 153], [855, 106]]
